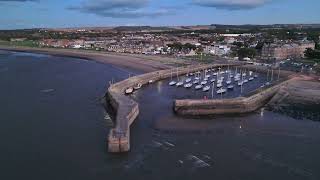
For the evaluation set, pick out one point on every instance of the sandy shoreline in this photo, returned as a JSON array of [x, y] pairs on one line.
[[138, 62]]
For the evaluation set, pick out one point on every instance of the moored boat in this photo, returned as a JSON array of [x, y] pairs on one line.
[[179, 84], [172, 83], [219, 85], [137, 86], [206, 88], [198, 87], [188, 80], [230, 87], [129, 90], [221, 91], [204, 82], [189, 85]]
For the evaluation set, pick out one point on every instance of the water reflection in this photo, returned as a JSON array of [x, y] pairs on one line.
[[159, 86]]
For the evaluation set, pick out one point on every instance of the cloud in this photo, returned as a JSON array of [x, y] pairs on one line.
[[231, 4], [120, 8]]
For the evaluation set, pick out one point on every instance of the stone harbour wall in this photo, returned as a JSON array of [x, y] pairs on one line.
[[227, 106], [127, 110]]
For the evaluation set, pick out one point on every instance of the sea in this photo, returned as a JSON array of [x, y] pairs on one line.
[[54, 125]]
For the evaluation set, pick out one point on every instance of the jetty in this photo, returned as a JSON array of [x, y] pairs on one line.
[[127, 110]]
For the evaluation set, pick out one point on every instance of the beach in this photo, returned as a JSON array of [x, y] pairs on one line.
[[139, 62]]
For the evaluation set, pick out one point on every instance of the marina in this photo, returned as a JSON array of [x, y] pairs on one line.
[[215, 82]]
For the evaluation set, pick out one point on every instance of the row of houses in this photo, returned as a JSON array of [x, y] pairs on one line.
[[285, 50]]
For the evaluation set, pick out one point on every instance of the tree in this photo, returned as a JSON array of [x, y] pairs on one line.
[[312, 54], [238, 44], [259, 46], [246, 52], [317, 46], [176, 46], [189, 46]]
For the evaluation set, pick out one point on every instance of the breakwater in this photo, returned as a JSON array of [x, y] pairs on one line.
[[127, 110], [227, 106]]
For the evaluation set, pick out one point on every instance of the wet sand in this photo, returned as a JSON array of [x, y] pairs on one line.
[[139, 62], [304, 91]]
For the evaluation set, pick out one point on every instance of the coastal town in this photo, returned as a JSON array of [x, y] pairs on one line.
[[147, 89], [268, 44]]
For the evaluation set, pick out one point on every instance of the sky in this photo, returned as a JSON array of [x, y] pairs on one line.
[[18, 14]]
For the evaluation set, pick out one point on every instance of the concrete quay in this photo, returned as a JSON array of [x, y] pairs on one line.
[[227, 106], [127, 110]]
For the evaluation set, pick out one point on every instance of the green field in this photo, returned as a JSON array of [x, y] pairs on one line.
[[27, 43]]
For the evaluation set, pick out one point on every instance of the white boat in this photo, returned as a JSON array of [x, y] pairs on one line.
[[219, 85], [208, 76], [198, 87], [240, 83], [129, 90], [196, 82], [230, 87], [268, 83], [213, 80], [204, 82], [251, 78], [191, 74], [221, 91], [228, 82], [138, 86], [189, 85], [179, 84], [206, 88], [188, 80], [150, 81], [197, 78], [172, 83], [245, 81], [255, 76], [205, 79], [219, 81], [215, 74]]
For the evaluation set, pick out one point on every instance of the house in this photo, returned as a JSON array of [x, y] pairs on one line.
[[280, 51]]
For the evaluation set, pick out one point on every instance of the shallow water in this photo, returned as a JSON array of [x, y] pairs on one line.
[[53, 126]]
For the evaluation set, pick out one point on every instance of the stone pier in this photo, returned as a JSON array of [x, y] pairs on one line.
[[127, 110], [227, 106]]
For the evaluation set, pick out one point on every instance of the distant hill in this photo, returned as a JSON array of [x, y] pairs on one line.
[[141, 28]]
